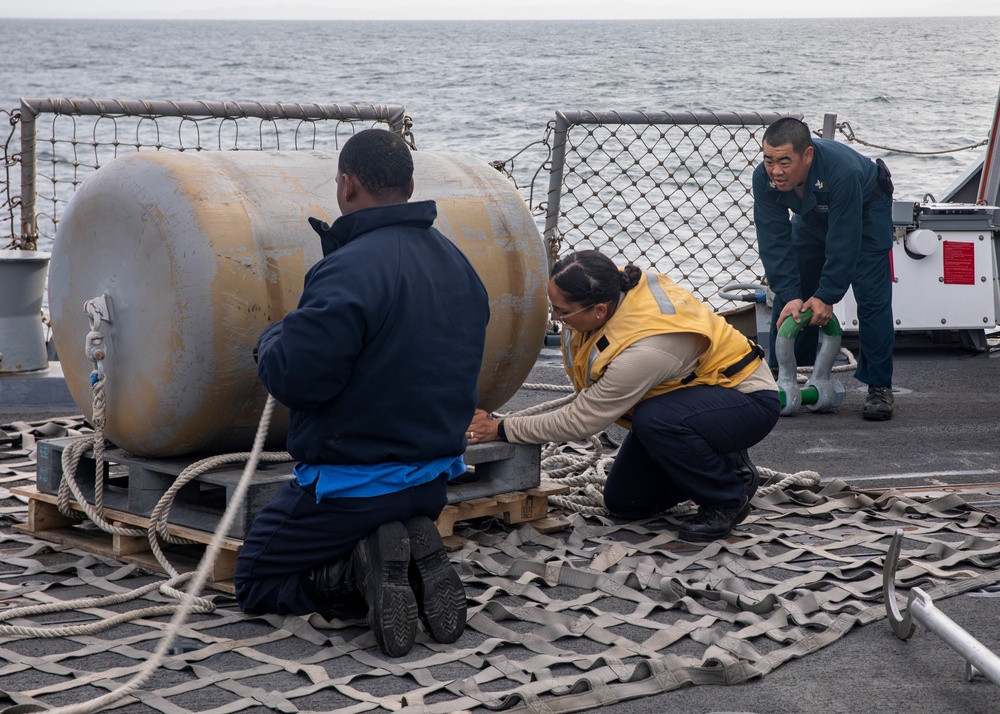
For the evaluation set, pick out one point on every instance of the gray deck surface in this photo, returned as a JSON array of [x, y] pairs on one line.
[[946, 429], [946, 432]]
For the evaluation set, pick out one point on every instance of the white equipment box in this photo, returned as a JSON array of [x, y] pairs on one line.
[[944, 267]]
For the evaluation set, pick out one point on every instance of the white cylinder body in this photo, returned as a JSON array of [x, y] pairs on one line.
[[198, 253]]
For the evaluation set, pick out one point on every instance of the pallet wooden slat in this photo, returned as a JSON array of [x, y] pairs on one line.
[[47, 523], [44, 521], [530, 505]]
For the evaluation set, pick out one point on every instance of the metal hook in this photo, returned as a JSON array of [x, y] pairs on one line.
[[902, 625], [97, 310], [920, 608]]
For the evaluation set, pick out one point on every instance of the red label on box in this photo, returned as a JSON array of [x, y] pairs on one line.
[[959, 263]]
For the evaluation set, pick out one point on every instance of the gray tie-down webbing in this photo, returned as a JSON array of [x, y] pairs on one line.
[[603, 612]]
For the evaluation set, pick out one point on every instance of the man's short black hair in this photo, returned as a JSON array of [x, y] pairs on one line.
[[789, 130], [380, 161]]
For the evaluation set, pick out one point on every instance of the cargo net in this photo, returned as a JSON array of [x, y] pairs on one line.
[[604, 612], [676, 198], [74, 138]]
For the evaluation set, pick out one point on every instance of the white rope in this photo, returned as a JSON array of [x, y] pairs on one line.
[[190, 600], [548, 388], [158, 521], [158, 518], [105, 623], [785, 481], [71, 456], [585, 469], [802, 373]]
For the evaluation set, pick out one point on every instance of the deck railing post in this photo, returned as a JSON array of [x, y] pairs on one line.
[[28, 160]]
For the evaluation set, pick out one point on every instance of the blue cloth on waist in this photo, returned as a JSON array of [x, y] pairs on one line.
[[363, 480]]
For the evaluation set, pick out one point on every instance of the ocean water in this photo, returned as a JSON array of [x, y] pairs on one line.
[[489, 88]]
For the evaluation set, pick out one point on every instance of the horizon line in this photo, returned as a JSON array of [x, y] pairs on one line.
[[252, 18]]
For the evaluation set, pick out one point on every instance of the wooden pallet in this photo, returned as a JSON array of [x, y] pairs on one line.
[[47, 523], [135, 484], [528, 506]]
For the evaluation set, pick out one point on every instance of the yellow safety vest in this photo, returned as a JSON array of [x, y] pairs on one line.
[[657, 305]]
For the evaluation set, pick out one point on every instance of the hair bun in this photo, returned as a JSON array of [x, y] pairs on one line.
[[630, 276]]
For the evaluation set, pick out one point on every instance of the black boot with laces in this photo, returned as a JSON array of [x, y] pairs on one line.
[[878, 404], [712, 522]]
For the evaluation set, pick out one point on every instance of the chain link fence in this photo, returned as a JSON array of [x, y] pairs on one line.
[[54, 144], [666, 191], [670, 191]]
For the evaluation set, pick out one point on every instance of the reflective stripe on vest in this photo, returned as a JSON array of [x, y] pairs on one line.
[[657, 305]]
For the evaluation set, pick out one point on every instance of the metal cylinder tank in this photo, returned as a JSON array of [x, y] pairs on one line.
[[197, 253]]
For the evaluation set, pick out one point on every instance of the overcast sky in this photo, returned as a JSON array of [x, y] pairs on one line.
[[489, 9]]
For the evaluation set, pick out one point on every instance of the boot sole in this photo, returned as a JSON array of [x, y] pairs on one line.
[[440, 592], [877, 416], [381, 562]]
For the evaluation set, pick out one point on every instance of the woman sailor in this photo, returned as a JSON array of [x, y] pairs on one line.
[[693, 393]]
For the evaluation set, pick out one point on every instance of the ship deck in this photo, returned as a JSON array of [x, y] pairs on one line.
[[586, 609]]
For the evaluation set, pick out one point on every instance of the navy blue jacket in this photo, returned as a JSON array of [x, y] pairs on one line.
[[840, 183], [379, 362]]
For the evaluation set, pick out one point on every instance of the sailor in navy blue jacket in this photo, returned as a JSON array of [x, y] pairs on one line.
[[823, 215], [375, 361], [379, 366]]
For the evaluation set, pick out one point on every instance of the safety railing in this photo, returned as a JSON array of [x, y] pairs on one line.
[[62, 141], [669, 191]]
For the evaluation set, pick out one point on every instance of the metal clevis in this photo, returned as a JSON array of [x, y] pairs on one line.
[[821, 392]]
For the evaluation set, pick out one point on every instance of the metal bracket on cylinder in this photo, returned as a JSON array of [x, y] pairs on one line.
[[920, 609], [821, 392], [98, 311]]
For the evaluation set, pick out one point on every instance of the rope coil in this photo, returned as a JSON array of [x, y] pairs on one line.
[[190, 601]]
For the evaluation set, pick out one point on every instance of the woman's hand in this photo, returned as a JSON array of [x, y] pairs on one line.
[[482, 429]]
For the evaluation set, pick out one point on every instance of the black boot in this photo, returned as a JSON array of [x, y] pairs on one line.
[[712, 522], [381, 564], [439, 590], [739, 461], [334, 589], [878, 404]]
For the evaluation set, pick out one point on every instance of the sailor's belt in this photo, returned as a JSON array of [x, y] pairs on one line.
[[755, 353]]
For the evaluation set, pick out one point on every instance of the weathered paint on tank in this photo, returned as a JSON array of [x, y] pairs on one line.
[[198, 253]]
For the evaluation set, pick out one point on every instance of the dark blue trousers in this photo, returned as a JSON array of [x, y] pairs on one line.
[[293, 534], [871, 281], [676, 449]]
